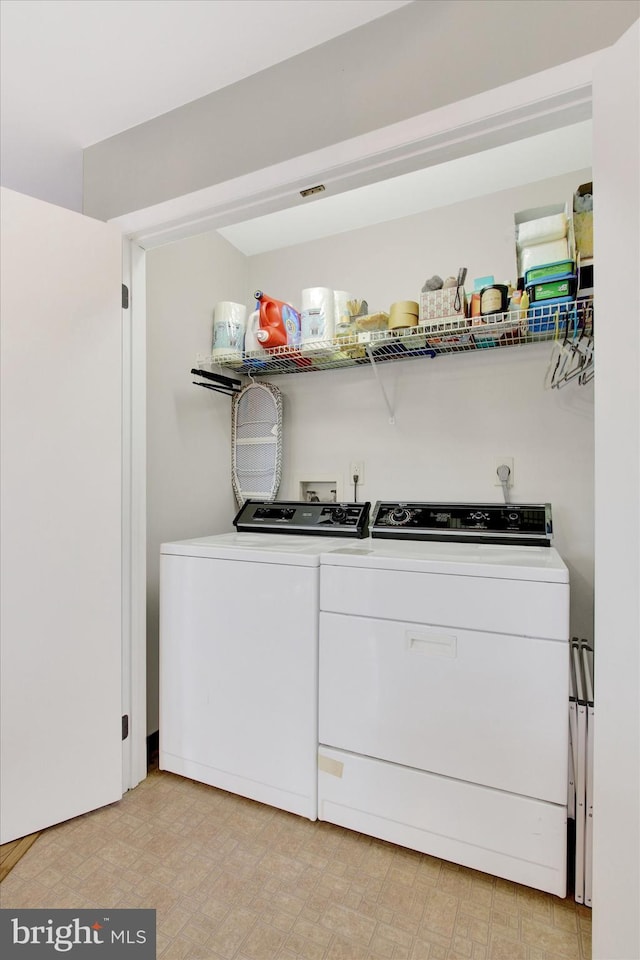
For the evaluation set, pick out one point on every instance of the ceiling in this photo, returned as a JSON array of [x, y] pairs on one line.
[[545, 155], [75, 72]]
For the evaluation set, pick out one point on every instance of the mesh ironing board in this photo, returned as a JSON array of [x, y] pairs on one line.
[[256, 438]]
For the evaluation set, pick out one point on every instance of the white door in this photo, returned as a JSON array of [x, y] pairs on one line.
[[61, 515], [616, 806]]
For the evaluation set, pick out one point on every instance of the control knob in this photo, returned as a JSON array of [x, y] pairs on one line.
[[339, 515], [399, 516]]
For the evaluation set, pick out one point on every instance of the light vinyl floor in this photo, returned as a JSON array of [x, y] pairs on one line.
[[236, 880]]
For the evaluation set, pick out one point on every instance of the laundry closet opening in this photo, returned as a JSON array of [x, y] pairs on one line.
[[454, 415]]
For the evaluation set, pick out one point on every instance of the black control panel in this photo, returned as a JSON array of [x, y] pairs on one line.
[[317, 519], [525, 524]]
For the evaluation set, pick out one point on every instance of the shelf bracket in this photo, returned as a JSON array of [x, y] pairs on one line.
[[369, 353]]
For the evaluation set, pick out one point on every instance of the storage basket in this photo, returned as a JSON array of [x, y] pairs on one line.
[[549, 316]]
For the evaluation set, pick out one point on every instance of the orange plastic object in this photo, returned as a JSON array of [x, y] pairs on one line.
[[279, 322]]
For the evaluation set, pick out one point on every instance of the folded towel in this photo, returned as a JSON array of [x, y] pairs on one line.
[[542, 230], [541, 253]]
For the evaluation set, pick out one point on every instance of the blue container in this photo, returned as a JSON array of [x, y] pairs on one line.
[[551, 314], [546, 271]]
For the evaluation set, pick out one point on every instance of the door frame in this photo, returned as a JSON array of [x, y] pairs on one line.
[[134, 522]]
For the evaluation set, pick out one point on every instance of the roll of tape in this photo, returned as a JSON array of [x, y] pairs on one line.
[[399, 320], [405, 306], [404, 313]]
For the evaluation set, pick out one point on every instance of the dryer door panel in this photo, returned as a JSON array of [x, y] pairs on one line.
[[483, 707]]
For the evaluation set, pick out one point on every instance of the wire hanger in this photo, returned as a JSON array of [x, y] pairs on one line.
[[559, 355], [572, 358]]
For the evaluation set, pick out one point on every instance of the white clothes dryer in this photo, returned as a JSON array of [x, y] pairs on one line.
[[443, 679], [239, 651]]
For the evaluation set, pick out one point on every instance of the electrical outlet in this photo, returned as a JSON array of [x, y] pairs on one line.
[[498, 462], [356, 467]]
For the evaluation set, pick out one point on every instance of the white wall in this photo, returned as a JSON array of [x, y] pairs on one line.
[[188, 429], [455, 414]]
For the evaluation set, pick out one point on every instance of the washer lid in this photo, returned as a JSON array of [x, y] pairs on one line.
[[508, 562], [256, 547]]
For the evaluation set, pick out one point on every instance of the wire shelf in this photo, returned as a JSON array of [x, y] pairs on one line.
[[432, 339]]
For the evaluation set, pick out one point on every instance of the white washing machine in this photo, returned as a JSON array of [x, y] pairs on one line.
[[239, 651], [443, 679]]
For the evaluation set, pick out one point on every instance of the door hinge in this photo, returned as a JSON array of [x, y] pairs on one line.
[[125, 297], [125, 726]]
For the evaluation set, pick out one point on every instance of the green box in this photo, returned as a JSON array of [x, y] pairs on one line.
[[552, 289]]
